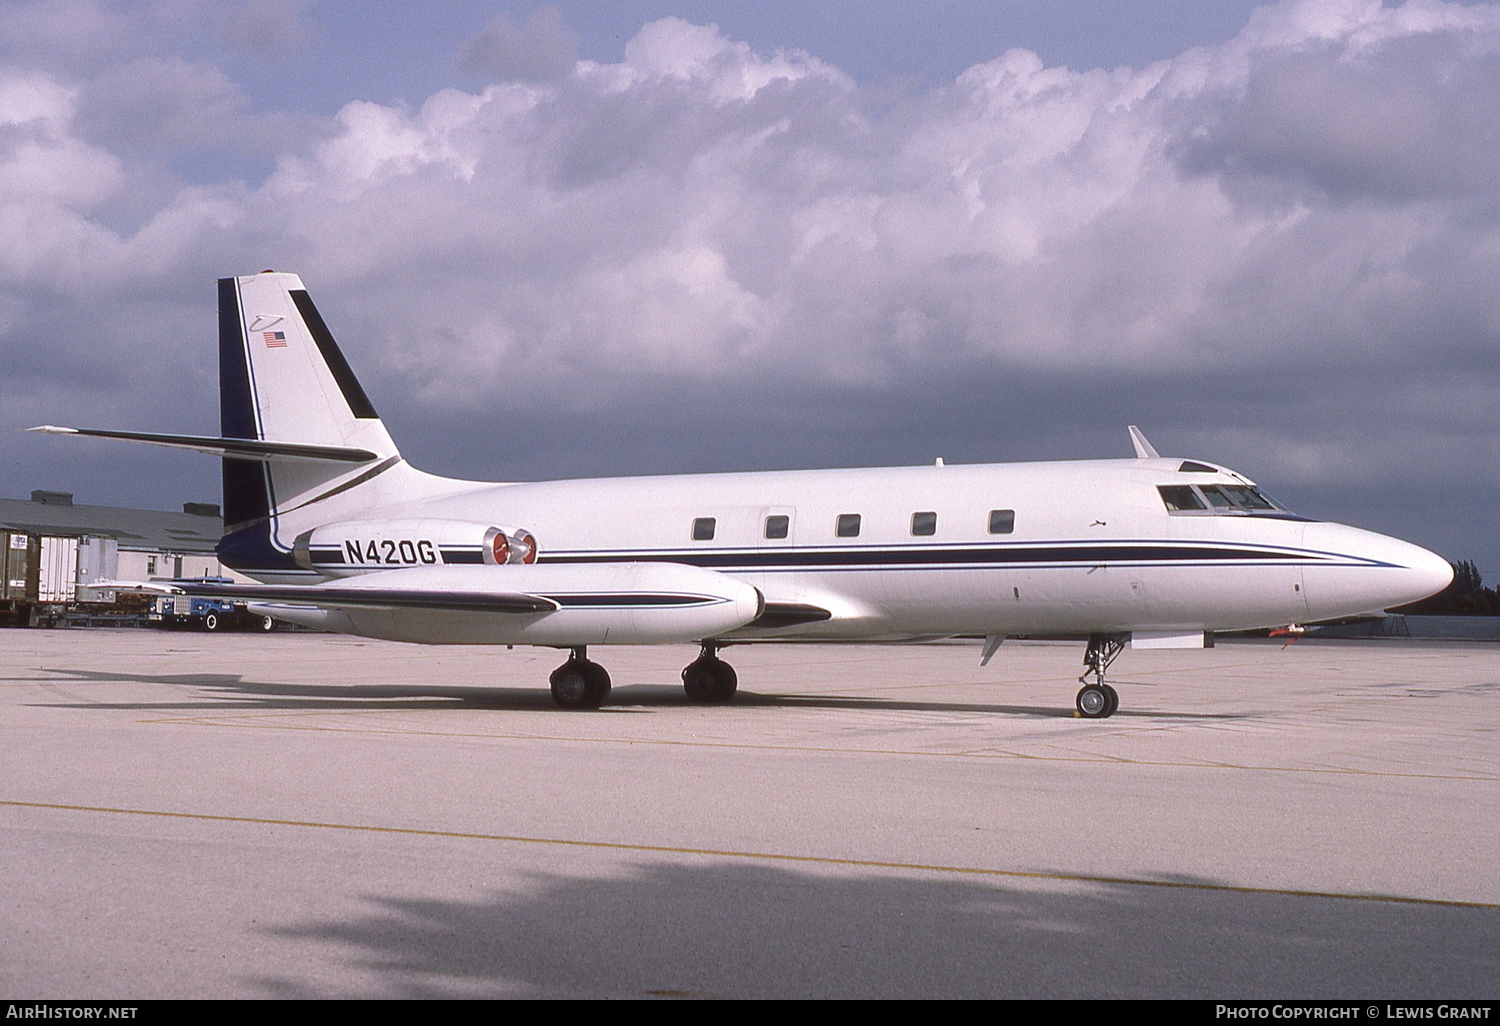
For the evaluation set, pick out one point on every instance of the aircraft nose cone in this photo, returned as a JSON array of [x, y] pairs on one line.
[[1430, 573], [1363, 572]]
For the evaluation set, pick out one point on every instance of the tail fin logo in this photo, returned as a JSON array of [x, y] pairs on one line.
[[274, 339]]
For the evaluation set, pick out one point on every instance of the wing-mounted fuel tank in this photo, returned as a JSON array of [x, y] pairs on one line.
[[354, 548]]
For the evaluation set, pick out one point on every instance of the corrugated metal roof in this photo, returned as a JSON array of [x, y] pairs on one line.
[[146, 529]]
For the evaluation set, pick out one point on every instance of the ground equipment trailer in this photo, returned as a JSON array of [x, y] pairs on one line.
[[39, 574]]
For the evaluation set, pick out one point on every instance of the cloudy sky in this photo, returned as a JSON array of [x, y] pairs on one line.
[[640, 237]]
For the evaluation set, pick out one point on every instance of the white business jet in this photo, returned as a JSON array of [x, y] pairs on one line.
[[344, 535]]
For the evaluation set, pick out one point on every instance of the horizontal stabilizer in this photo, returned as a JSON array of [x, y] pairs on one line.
[[240, 448], [347, 597]]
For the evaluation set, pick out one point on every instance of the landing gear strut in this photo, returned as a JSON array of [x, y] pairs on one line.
[[708, 679], [1098, 700], [578, 683]]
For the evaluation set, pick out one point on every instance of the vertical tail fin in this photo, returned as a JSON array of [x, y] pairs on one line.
[[283, 378], [247, 485]]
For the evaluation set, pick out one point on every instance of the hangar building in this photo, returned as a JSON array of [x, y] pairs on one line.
[[51, 548]]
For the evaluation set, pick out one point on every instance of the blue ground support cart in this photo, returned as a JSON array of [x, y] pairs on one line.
[[209, 614]]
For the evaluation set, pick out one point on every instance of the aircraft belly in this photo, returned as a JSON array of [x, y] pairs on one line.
[[921, 603], [1219, 597], [1050, 600]]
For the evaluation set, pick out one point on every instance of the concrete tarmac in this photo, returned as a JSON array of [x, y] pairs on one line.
[[301, 815]]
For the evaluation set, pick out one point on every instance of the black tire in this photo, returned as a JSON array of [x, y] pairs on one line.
[[579, 685], [599, 685], [710, 681], [211, 621], [1092, 702], [728, 681], [1114, 700]]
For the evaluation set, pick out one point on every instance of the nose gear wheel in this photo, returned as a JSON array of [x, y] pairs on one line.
[[1096, 699]]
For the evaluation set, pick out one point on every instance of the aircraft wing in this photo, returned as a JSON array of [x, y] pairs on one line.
[[561, 605], [336, 596]]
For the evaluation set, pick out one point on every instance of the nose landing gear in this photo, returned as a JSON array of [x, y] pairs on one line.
[[578, 683], [1097, 700], [708, 679]]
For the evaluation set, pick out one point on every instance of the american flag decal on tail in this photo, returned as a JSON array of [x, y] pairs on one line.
[[274, 339]]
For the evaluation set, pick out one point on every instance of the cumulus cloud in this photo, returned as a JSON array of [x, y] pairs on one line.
[[1281, 248], [701, 209], [154, 108], [542, 49], [265, 28]]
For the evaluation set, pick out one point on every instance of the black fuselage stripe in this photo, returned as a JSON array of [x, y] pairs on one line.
[[637, 599], [933, 558], [1093, 554]]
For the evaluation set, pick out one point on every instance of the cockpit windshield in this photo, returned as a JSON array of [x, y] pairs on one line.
[[1207, 500], [1216, 497], [1250, 498]]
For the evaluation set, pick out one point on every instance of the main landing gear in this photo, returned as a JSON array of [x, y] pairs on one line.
[[581, 684], [1098, 700], [578, 683], [708, 679]]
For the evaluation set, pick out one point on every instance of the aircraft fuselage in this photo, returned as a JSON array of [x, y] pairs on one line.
[[1077, 547]]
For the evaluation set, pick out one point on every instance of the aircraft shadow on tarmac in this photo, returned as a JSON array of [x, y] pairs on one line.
[[231, 691], [673, 929]]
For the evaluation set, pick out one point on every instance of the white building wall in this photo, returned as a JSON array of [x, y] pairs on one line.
[[139, 565]]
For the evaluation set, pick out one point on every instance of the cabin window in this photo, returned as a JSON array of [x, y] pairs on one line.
[[1002, 521], [778, 526], [1180, 498], [848, 525], [924, 524], [703, 529]]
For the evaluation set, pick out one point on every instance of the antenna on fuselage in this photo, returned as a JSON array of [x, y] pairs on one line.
[[1144, 450]]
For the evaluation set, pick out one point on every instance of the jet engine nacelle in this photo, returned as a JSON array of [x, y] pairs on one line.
[[360, 547]]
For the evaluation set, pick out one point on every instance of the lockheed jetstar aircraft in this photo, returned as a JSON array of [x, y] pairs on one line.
[[343, 534]]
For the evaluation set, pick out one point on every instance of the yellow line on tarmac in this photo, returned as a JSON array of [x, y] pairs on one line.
[[820, 860]]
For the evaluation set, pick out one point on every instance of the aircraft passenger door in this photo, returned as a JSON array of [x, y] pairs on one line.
[[776, 537]]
